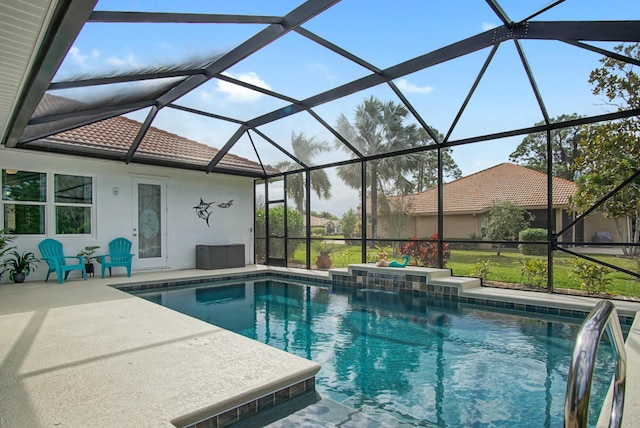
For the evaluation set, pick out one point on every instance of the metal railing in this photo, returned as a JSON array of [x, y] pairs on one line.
[[576, 405]]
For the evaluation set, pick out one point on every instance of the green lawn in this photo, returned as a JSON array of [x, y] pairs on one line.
[[508, 268]]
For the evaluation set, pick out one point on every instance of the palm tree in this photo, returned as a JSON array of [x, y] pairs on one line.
[[378, 128], [425, 172], [305, 149]]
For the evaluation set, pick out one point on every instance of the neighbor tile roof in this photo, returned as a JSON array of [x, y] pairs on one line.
[[319, 221], [476, 193], [117, 134]]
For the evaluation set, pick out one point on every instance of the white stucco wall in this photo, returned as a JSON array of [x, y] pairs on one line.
[[114, 217]]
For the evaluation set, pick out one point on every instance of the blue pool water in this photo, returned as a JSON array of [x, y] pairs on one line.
[[408, 361]]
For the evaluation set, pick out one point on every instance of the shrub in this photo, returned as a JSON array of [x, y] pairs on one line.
[[533, 234], [349, 222], [346, 257], [467, 245], [426, 253], [592, 276], [534, 271], [276, 218], [318, 230], [483, 269]]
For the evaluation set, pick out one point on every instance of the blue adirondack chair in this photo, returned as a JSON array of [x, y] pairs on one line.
[[119, 256], [53, 254]]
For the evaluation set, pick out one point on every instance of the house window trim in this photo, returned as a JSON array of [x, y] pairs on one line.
[[50, 206], [51, 202]]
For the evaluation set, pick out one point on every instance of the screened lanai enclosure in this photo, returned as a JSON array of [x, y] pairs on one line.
[[497, 138]]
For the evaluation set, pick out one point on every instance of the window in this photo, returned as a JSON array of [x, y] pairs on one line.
[[24, 197], [73, 199], [26, 202]]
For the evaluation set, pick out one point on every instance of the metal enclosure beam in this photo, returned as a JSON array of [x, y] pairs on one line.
[[68, 19]]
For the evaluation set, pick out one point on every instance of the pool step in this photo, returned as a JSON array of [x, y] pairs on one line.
[[385, 413], [312, 411], [465, 283]]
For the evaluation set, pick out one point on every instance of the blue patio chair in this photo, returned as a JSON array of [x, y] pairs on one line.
[[119, 256], [53, 254]]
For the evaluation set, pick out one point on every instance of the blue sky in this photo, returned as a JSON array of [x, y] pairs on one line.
[[381, 32]]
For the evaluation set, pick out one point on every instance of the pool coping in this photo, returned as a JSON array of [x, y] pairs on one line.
[[447, 287]]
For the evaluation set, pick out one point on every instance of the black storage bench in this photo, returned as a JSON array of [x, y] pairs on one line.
[[219, 256]]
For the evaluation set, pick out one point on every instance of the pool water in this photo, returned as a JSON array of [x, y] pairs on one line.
[[409, 361]]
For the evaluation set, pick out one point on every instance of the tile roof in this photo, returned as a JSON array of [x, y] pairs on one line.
[[476, 193], [319, 221], [117, 134]]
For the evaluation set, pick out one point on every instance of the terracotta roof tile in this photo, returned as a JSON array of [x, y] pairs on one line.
[[117, 134], [504, 182]]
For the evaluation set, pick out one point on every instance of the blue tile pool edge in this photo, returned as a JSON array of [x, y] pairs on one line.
[[346, 281]]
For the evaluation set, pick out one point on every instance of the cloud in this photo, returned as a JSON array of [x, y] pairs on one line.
[[79, 58], [238, 94], [411, 88], [486, 26], [129, 61], [317, 67]]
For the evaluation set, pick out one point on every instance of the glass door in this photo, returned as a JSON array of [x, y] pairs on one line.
[[149, 223], [276, 221]]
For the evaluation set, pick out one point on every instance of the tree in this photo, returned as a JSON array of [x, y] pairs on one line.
[[305, 149], [611, 151], [505, 221], [394, 211], [617, 81], [610, 155], [425, 170], [565, 146], [295, 227], [349, 222], [324, 214], [378, 127]]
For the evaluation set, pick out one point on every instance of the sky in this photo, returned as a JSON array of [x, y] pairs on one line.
[[382, 33]]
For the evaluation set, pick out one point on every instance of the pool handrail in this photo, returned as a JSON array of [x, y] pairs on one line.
[[576, 406]]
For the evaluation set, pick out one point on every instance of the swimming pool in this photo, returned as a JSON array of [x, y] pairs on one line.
[[406, 360]]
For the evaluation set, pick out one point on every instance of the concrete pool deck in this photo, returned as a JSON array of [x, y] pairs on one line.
[[84, 353]]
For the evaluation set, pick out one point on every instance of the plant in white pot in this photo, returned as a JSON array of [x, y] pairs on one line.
[[19, 265]]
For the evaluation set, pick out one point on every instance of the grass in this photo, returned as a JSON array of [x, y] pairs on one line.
[[508, 266], [509, 269]]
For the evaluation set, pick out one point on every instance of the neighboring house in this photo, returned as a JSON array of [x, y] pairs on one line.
[[330, 226], [467, 202], [165, 211]]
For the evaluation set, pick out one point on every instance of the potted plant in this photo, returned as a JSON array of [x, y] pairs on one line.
[[4, 246], [20, 265], [89, 254], [383, 252], [323, 261]]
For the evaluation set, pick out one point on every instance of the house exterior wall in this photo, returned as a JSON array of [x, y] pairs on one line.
[[455, 226], [461, 226], [597, 222], [113, 217]]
